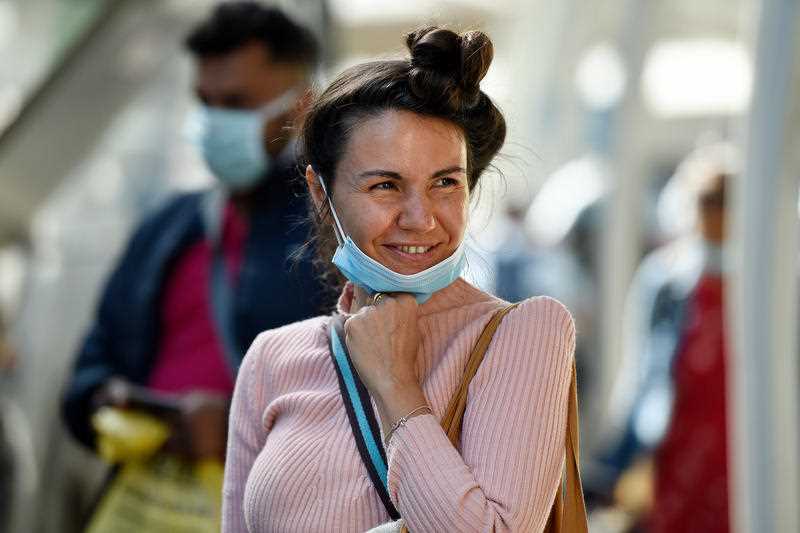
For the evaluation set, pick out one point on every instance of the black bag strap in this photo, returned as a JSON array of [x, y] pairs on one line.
[[361, 415]]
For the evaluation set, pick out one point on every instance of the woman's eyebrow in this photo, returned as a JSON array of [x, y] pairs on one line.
[[380, 173], [448, 170], [397, 176]]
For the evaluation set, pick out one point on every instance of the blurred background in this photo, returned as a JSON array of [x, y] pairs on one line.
[[612, 108]]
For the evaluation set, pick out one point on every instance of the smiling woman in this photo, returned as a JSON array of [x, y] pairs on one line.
[[401, 191], [405, 403]]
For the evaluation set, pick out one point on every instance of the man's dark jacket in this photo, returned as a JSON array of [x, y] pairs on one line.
[[271, 290]]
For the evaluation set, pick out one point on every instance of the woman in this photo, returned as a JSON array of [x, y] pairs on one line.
[[395, 150]]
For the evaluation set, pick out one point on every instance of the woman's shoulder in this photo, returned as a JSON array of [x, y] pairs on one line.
[[540, 311], [542, 322], [532, 346], [297, 337], [543, 310], [301, 331]]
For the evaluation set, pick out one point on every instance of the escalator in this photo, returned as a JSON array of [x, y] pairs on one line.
[[93, 95]]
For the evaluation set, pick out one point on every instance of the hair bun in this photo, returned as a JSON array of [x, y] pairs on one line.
[[477, 53], [449, 67]]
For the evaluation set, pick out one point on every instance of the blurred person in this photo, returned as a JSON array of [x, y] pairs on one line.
[[581, 245], [525, 268], [209, 270], [565, 221], [671, 396]]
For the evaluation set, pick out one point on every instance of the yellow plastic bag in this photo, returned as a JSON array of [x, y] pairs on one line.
[[165, 494], [127, 435], [157, 494]]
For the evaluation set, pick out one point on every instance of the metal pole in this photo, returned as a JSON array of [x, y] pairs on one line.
[[763, 302], [622, 231]]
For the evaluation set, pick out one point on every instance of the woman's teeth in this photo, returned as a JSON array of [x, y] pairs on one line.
[[414, 249]]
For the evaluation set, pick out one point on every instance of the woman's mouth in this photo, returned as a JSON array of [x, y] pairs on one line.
[[415, 255], [414, 249]]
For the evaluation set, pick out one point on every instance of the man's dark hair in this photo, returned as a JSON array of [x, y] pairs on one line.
[[233, 25]]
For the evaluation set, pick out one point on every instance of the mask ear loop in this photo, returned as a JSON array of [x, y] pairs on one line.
[[338, 231]]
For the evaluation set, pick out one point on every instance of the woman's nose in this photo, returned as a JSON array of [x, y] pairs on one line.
[[416, 214]]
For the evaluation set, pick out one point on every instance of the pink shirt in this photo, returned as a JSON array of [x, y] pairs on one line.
[[293, 466], [190, 355]]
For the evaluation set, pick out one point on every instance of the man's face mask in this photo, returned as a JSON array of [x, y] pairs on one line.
[[232, 140], [373, 277]]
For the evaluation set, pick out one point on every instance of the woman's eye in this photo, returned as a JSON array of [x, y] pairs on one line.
[[446, 182], [383, 186]]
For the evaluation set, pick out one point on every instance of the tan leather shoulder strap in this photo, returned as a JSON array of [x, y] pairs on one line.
[[454, 414], [574, 517]]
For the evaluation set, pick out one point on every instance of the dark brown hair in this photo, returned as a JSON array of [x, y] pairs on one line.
[[441, 79], [233, 25]]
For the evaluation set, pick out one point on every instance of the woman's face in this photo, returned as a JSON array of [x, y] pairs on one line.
[[401, 189]]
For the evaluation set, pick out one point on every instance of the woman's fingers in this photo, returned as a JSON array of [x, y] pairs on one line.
[[383, 339]]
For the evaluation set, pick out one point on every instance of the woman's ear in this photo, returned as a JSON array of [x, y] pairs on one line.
[[315, 188]]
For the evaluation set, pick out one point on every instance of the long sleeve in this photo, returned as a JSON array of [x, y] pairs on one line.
[[122, 336], [512, 441], [246, 436], [93, 368]]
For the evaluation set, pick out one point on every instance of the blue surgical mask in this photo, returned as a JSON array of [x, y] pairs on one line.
[[373, 277], [232, 141]]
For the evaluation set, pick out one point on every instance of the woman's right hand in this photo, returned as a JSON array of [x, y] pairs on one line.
[[383, 341]]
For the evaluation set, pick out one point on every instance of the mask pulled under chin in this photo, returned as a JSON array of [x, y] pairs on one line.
[[373, 277]]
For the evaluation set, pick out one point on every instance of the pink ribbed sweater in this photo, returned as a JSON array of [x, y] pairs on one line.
[[293, 466]]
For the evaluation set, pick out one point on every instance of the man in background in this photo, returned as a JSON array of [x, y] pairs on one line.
[[209, 270]]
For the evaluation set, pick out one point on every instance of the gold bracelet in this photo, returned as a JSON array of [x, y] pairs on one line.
[[402, 422]]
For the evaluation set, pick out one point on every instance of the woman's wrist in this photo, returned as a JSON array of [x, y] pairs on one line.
[[397, 402], [400, 422]]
